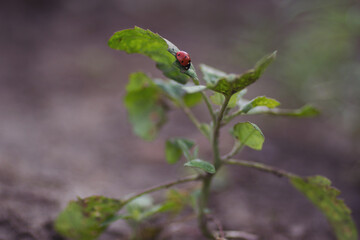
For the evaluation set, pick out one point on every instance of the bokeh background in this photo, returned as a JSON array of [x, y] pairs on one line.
[[64, 130]]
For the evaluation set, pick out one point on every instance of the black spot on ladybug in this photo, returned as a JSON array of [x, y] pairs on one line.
[[182, 61], [179, 54], [185, 57]]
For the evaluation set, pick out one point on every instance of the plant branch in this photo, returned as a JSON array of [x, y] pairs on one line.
[[259, 166], [227, 119], [163, 186], [203, 202], [205, 190]]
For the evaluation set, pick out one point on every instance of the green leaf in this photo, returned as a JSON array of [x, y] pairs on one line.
[[171, 89], [249, 134], [190, 95], [305, 111], [138, 40], [218, 99], [144, 105], [137, 207], [194, 89], [242, 93], [175, 147], [83, 219], [115, 218], [192, 99], [259, 101], [203, 165], [319, 191], [229, 84], [190, 72], [143, 208]]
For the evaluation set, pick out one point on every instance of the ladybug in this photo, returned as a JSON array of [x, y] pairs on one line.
[[184, 59]]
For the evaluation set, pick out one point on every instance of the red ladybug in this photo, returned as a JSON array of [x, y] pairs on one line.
[[184, 59]]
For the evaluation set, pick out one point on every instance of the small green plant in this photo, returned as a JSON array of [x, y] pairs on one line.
[[145, 100]]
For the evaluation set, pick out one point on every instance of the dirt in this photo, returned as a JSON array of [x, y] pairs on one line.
[[64, 131]]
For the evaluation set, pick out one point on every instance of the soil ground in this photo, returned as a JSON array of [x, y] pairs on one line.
[[64, 131]]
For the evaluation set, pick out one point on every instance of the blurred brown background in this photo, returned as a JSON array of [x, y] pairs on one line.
[[64, 131]]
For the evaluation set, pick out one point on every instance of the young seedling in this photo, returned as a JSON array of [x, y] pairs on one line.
[[87, 218]]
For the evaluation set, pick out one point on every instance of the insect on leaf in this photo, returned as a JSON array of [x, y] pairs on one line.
[[138, 40]]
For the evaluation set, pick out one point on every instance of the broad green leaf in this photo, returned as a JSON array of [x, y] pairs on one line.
[[83, 219], [138, 40], [185, 148], [249, 134], [242, 93], [175, 147], [190, 95], [229, 84], [305, 111], [143, 208], [171, 89], [194, 89], [190, 72], [319, 191], [259, 101], [144, 105], [137, 207], [218, 99], [212, 75], [203, 165], [115, 218], [172, 152], [192, 99]]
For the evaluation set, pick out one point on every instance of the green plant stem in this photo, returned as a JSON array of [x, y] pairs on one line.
[[203, 201], [163, 186], [259, 166], [227, 119]]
